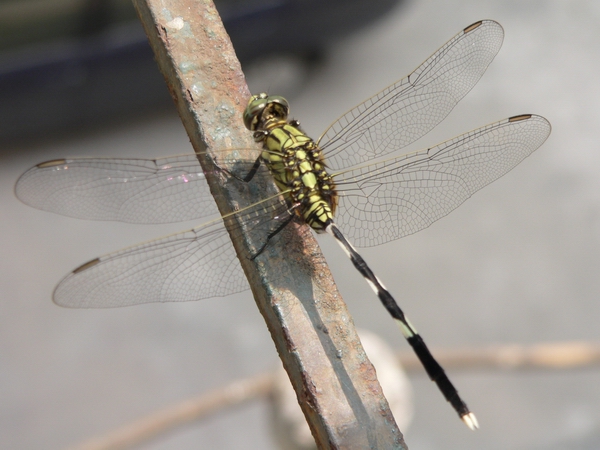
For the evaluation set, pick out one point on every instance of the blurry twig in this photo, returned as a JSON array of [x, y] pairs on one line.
[[562, 355], [566, 355], [180, 414]]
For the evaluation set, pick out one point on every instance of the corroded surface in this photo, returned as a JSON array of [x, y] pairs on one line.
[[309, 323]]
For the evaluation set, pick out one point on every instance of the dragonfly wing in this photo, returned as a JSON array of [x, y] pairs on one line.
[[193, 265], [196, 264], [411, 107], [128, 190], [146, 191], [387, 200]]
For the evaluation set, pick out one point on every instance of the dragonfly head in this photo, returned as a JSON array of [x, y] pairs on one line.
[[263, 107]]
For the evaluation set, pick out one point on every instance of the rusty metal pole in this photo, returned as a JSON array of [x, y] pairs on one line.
[[313, 332]]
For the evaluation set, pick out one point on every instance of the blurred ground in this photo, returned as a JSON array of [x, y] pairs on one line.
[[517, 263]]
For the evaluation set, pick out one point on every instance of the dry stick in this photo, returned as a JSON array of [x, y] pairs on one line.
[[167, 419], [565, 355], [292, 286]]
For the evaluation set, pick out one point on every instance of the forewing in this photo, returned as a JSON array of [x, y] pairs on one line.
[[387, 200], [411, 107], [127, 190], [165, 190]]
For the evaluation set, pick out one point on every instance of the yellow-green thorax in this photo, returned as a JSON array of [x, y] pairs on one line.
[[294, 159]]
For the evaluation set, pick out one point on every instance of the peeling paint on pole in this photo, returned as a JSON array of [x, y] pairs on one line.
[[314, 334]]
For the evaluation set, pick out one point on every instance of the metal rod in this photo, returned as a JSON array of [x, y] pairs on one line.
[[313, 332]]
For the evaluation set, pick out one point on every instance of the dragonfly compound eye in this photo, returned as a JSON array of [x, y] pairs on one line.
[[263, 107]]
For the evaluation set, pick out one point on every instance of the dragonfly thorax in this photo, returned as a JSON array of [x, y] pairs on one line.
[[294, 159]]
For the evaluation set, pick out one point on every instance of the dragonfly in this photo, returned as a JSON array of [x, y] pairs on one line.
[[344, 184]]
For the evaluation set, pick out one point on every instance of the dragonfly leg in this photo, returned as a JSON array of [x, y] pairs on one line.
[[272, 234], [248, 177]]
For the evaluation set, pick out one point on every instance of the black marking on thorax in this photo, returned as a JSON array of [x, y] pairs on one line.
[[298, 167]]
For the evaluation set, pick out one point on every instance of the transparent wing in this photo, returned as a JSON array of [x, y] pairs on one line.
[[411, 107], [193, 265], [127, 190], [196, 264], [163, 190], [387, 200]]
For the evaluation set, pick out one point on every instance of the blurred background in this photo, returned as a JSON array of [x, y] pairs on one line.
[[518, 263]]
